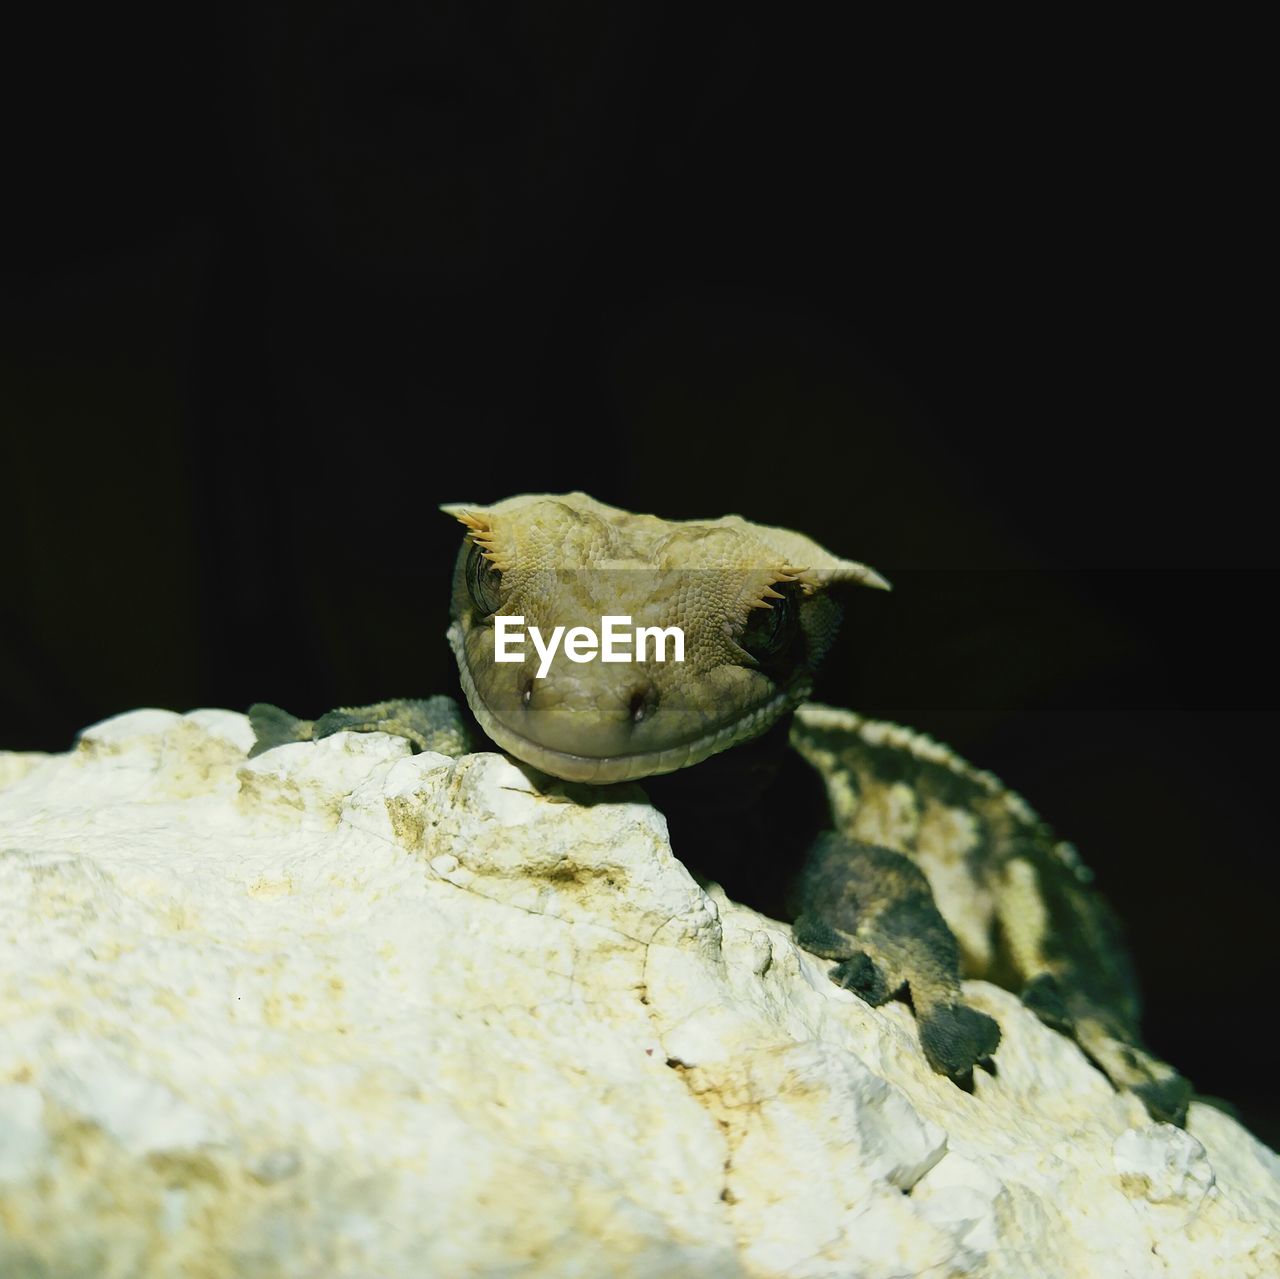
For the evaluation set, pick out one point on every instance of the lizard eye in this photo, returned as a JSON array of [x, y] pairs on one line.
[[484, 582], [769, 630]]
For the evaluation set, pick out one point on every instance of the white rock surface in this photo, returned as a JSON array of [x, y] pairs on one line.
[[341, 1011]]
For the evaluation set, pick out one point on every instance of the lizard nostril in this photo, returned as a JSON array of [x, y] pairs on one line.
[[644, 701]]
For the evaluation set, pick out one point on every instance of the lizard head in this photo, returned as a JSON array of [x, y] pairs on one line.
[[753, 606]]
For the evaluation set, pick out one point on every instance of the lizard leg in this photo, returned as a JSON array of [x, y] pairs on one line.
[[1115, 1050], [872, 909], [1113, 1045], [431, 724], [1065, 944], [274, 727]]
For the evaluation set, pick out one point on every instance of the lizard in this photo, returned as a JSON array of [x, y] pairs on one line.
[[931, 870]]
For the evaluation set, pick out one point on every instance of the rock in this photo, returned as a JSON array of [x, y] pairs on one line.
[[343, 1011]]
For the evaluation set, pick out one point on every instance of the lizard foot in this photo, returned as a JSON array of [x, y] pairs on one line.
[[871, 909], [1110, 1045], [430, 724], [274, 727], [955, 1038], [856, 971], [1164, 1092]]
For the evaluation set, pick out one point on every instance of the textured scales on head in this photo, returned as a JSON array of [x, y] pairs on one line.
[[753, 601]]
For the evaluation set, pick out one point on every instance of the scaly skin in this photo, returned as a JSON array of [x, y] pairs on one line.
[[570, 561], [933, 870]]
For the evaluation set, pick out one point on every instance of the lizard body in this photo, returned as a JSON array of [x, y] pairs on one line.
[[932, 869]]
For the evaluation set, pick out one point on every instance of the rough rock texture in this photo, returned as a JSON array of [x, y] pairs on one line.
[[346, 1012]]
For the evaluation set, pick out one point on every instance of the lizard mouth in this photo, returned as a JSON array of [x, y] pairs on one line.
[[607, 766]]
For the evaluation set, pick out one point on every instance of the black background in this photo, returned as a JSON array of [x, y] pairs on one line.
[[974, 305]]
